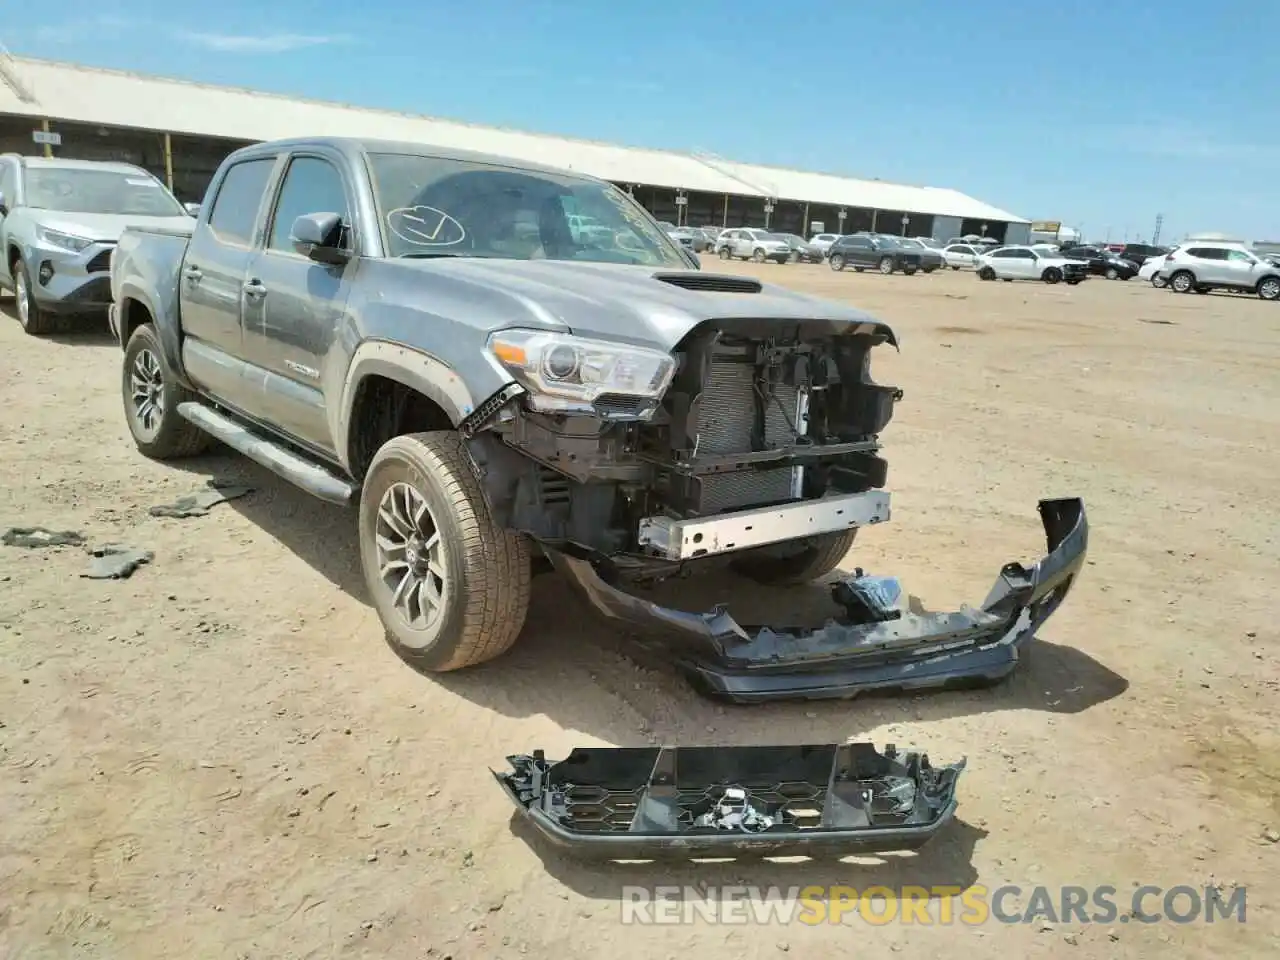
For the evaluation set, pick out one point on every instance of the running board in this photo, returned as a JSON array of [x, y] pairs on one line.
[[311, 477]]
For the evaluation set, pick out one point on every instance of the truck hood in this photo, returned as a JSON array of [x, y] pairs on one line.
[[103, 227], [637, 304]]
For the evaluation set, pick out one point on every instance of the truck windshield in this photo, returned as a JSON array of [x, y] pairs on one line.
[[435, 206], [85, 190]]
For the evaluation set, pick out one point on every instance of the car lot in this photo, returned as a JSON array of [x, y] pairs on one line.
[[219, 756]]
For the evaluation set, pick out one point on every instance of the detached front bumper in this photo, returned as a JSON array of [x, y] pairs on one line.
[[876, 645], [642, 803]]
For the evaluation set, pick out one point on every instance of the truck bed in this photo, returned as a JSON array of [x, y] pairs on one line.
[[146, 267]]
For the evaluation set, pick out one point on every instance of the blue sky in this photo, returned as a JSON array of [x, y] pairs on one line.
[[1099, 114]]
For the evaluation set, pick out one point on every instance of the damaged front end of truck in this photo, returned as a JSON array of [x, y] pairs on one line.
[[646, 803], [749, 442]]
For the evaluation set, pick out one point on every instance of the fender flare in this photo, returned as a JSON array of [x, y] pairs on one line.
[[414, 368], [166, 329]]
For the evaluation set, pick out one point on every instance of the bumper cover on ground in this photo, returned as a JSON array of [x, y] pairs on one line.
[[641, 803], [872, 647]]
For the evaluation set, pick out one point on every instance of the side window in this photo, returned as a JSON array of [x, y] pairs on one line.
[[235, 208], [1003, 255], [9, 181], [859, 242], [962, 249], [1239, 256], [1024, 254], [1207, 253], [311, 185]]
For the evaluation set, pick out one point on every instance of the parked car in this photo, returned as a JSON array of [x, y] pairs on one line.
[[1140, 253], [861, 250], [1153, 271], [1103, 262], [931, 259], [802, 251], [360, 317], [1025, 263], [752, 243], [691, 237], [1201, 267], [823, 241], [960, 256], [59, 222]]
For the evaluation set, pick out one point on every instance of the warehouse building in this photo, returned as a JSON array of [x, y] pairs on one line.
[[181, 130]]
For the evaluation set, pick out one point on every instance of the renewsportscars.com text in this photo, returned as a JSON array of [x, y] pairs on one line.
[[930, 906]]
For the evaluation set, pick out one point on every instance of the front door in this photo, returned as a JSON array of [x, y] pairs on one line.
[[294, 305]]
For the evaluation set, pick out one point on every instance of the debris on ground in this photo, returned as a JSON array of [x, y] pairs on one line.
[[1166, 323], [115, 561], [33, 537], [197, 504]]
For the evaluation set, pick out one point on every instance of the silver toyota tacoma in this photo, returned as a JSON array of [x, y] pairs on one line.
[[59, 221], [422, 333]]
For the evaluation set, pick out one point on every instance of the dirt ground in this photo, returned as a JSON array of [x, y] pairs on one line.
[[219, 757]]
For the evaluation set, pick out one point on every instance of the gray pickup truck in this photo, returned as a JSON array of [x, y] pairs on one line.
[[421, 331]]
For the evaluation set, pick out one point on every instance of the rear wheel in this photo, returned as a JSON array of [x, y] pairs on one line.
[[1112, 273], [450, 586], [151, 398], [836, 262], [798, 561], [724, 253], [1182, 282], [955, 268], [1159, 282]]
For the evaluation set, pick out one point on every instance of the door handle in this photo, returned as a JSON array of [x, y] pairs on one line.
[[192, 273], [254, 288]]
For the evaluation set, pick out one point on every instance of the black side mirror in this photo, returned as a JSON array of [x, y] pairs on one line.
[[318, 236]]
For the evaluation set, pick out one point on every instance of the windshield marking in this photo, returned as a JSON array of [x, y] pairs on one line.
[[422, 226]]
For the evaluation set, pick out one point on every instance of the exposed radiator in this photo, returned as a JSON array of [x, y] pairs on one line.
[[726, 415]]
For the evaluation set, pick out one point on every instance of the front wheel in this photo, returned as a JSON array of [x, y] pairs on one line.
[[151, 398], [35, 319], [724, 253], [1159, 282], [836, 262], [955, 268], [986, 273], [1052, 275], [758, 256], [886, 265], [450, 586], [1269, 289], [1112, 273], [798, 561]]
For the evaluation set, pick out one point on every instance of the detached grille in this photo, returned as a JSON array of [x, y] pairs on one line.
[[100, 264], [725, 417]]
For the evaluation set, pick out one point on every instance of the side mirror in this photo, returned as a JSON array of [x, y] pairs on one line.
[[192, 208], [318, 236]]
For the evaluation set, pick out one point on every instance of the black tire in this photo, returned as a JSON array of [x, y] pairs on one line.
[[724, 253], [955, 268], [782, 565], [1159, 282], [887, 266], [836, 262], [1184, 281], [1269, 288], [986, 273], [486, 569], [911, 271], [758, 255], [1052, 275], [929, 270], [157, 428], [1113, 273], [1203, 289], [1073, 283], [32, 318]]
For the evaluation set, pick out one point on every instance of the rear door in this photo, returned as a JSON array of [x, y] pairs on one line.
[[860, 251], [210, 286], [293, 304]]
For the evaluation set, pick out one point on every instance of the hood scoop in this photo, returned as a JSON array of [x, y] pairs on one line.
[[710, 282]]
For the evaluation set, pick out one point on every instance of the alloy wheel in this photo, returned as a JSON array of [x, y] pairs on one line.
[[410, 555]]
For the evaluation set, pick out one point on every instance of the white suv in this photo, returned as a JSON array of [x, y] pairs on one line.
[[1202, 267]]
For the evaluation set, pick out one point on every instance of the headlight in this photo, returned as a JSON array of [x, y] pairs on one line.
[[563, 372], [67, 241]]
